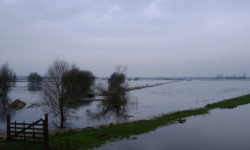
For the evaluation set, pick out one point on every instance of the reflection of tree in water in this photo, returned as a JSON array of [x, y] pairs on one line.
[[116, 101], [34, 86], [35, 81], [71, 113], [115, 107], [4, 108], [79, 104]]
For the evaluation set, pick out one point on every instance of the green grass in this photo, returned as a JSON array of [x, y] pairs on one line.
[[89, 138], [231, 103]]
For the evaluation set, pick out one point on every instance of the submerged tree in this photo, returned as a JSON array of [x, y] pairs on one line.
[[116, 98], [35, 81], [64, 84], [7, 80], [117, 79], [54, 92], [77, 83], [115, 107]]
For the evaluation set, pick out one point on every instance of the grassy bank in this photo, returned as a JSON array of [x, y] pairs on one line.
[[93, 137]]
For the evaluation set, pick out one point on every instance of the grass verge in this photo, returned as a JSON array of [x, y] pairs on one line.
[[93, 137]]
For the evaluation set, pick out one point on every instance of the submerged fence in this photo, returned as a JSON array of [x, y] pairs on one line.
[[33, 132]]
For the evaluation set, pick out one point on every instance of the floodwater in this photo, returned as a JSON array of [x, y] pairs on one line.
[[226, 129], [144, 103]]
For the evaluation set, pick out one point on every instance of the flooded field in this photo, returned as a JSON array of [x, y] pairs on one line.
[[220, 129], [145, 103]]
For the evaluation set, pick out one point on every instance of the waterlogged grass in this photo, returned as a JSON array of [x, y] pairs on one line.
[[231, 103], [91, 137]]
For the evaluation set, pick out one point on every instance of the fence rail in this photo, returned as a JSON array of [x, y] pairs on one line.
[[34, 132]]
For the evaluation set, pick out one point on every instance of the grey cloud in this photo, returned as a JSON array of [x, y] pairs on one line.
[[170, 37]]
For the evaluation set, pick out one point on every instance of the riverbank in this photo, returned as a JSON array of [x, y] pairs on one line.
[[94, 137]]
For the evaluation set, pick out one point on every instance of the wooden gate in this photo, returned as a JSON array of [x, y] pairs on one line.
[[34, 132]]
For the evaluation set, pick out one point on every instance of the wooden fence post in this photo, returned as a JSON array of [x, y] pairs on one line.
[[33, 132], [46, 132], [8, 127], [15, 131], [24, 133]]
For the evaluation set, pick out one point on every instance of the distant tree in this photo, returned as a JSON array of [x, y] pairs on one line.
[[35, 81], [54, 91], [117, 79], [77, 83], [7, 80]]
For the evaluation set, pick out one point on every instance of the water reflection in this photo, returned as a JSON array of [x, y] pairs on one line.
[[220, 130], [79, 104], [114, 107], [35, 81], [34, 86], [71, 112], [152, 101]]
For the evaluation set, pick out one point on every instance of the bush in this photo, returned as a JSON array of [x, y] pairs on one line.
[[77, 83], [116, 81]]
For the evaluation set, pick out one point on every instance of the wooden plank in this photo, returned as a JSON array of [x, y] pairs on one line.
[[26, 129], [28, 137], [27, 124], [32, 133]]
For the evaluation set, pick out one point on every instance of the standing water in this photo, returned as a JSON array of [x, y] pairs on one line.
[[219, 130], [148, 102]]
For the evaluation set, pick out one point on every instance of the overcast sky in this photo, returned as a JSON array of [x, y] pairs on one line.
[[151, 37]]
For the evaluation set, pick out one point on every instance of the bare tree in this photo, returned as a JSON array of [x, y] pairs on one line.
[[62, 85], [54, 92], [7, 80]]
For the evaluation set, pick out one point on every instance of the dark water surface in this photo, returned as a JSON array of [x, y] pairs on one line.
[[219, 130]]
